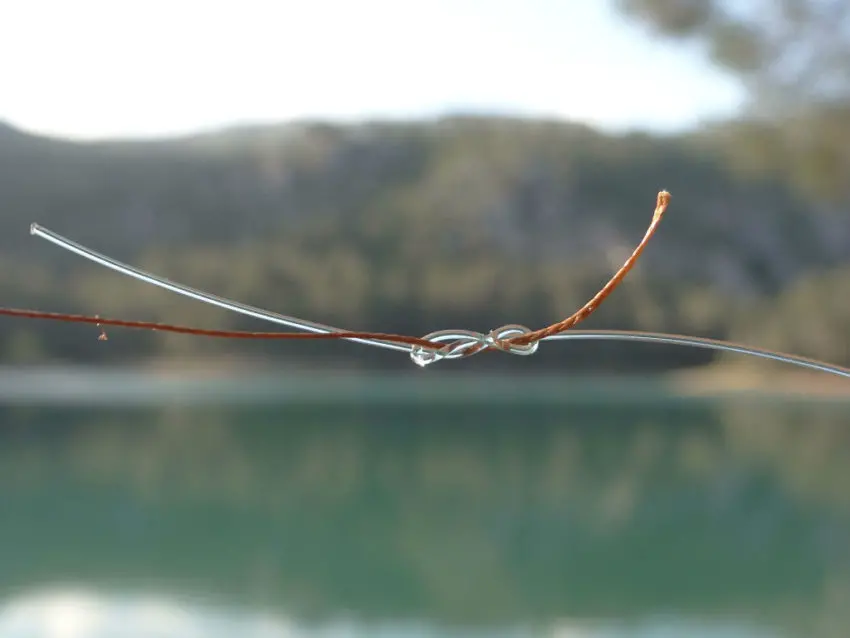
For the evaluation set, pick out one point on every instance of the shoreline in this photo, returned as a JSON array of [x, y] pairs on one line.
[[251, 381]]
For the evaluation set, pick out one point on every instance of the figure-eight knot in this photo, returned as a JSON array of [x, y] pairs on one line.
[[464, 343]]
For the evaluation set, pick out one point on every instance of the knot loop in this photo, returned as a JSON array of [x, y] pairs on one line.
[[465, 343]]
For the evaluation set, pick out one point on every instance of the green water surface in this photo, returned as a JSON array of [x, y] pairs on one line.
[[611, 516]]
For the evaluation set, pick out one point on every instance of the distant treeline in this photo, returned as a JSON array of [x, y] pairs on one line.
[[414, 227]]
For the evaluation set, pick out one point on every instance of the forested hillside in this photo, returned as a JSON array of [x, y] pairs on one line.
[[413, 227]]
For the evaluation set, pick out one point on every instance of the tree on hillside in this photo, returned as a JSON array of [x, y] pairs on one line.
[[790, 53], [794, 58]]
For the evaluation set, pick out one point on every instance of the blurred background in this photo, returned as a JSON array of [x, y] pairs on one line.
[[410, 167]]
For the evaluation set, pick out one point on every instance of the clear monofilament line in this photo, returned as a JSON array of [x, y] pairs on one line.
[[199, 295], [701, 342]]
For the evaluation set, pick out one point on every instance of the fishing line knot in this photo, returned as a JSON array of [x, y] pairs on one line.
[[464, 343]]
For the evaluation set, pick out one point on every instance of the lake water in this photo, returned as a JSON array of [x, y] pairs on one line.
[[132, 508]]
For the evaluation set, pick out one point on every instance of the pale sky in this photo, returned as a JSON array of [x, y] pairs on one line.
[[91, 69]]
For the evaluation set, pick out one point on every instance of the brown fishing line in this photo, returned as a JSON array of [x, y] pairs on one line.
[[521, 340]]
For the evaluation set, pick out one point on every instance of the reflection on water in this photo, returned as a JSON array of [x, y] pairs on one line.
[[77, 614], [386, 520]]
